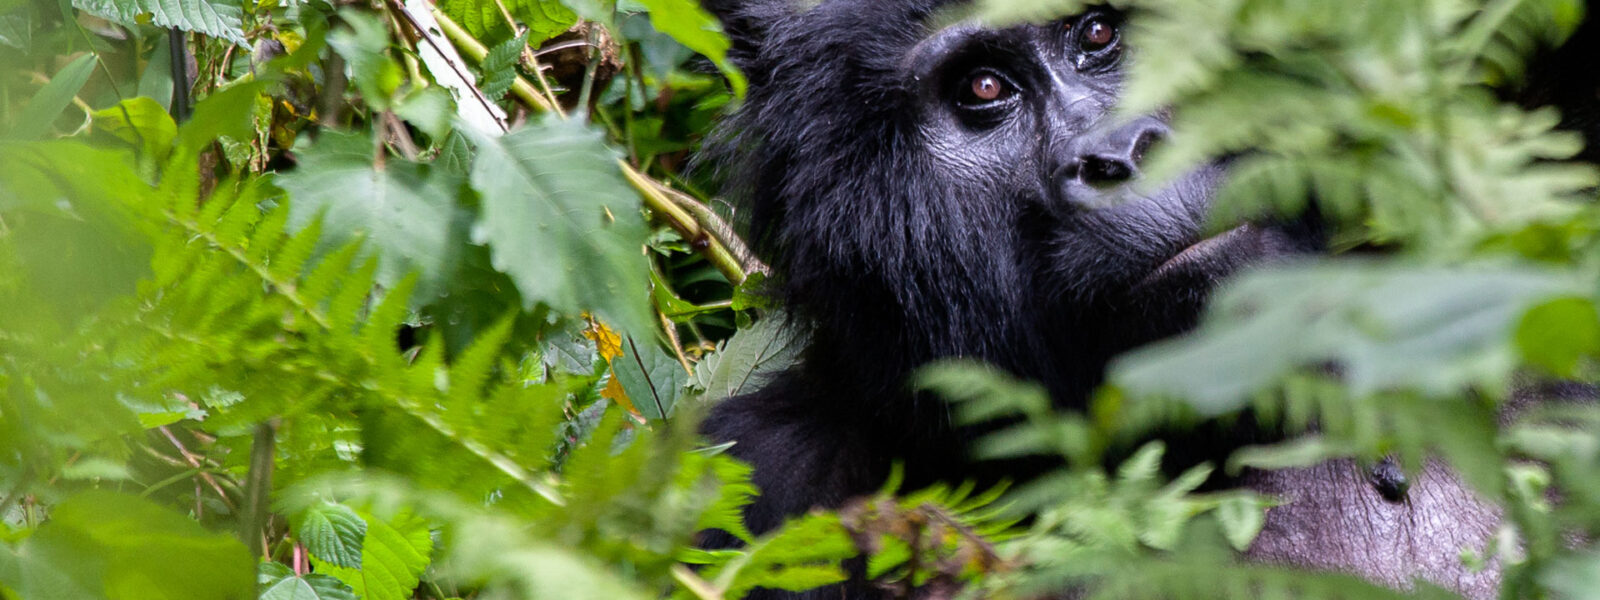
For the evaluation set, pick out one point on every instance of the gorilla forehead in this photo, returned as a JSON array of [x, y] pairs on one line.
[[833, 113]]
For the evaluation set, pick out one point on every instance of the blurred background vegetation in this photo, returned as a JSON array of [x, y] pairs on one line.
[[404, 299]]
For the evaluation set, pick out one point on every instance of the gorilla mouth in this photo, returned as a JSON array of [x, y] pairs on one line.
[[1209, 254]]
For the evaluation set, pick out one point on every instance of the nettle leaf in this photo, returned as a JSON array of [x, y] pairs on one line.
[[500, 66], [651, 377], [404, 210], [544, 19], [561, 221], [1436, 330], [696, 29], [392, 558], [216, 18], [278, 582], [743, 361], [332, 532]]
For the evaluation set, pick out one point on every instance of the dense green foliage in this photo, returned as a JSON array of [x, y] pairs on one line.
[[420, 301]]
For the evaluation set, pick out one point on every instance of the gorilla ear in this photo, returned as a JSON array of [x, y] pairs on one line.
[[747, 24]]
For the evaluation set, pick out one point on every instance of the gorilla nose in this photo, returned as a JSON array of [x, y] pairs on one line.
[[1111, 158]]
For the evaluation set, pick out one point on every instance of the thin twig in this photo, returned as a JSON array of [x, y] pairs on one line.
[[195, 462], [401, 137]]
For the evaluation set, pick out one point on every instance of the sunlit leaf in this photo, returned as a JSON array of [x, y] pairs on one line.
[[331, 532], [392, 559], [216, 18]]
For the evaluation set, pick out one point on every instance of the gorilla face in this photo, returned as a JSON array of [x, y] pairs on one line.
[[964, 191], [1027, 113]]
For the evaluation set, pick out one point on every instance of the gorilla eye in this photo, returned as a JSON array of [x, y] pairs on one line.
[[987, 88], [984, 88], [1096, 34]]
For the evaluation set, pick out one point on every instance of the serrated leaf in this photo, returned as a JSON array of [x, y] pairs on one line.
[[543, 18], [500, 66], [280, 583], [651, 378], [561, 221], [332, 532], [403, 210], [745, 360], [216, 18], [393, 557]]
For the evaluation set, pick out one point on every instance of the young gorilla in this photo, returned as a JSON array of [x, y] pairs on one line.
[[925, 193]]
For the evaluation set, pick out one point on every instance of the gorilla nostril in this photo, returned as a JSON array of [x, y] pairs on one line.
[[1098, 170], [1142, 144]]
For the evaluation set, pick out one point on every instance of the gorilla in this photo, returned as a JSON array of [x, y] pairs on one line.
[[924, 192]]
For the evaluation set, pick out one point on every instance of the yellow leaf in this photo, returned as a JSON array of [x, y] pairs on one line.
[[613, 391], [605, 339]]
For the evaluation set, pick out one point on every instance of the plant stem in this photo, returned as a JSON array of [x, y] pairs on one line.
[[257, 486]]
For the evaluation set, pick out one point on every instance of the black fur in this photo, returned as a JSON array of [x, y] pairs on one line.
[[905, 230], [905, 224]]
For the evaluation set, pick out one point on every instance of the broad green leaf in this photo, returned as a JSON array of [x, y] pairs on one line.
[[79, 248], [1556, 334], [115, 546], [695, 28], [332, 532], [651, 377], [404, 210], [429, 108], [280, 583], [35, 119], [226, 112], [141, 122], [156, 80], [561, 221], [1436, 330], [742, 362], [216, 18], [364, 43], [544, 19], [392, 558]]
